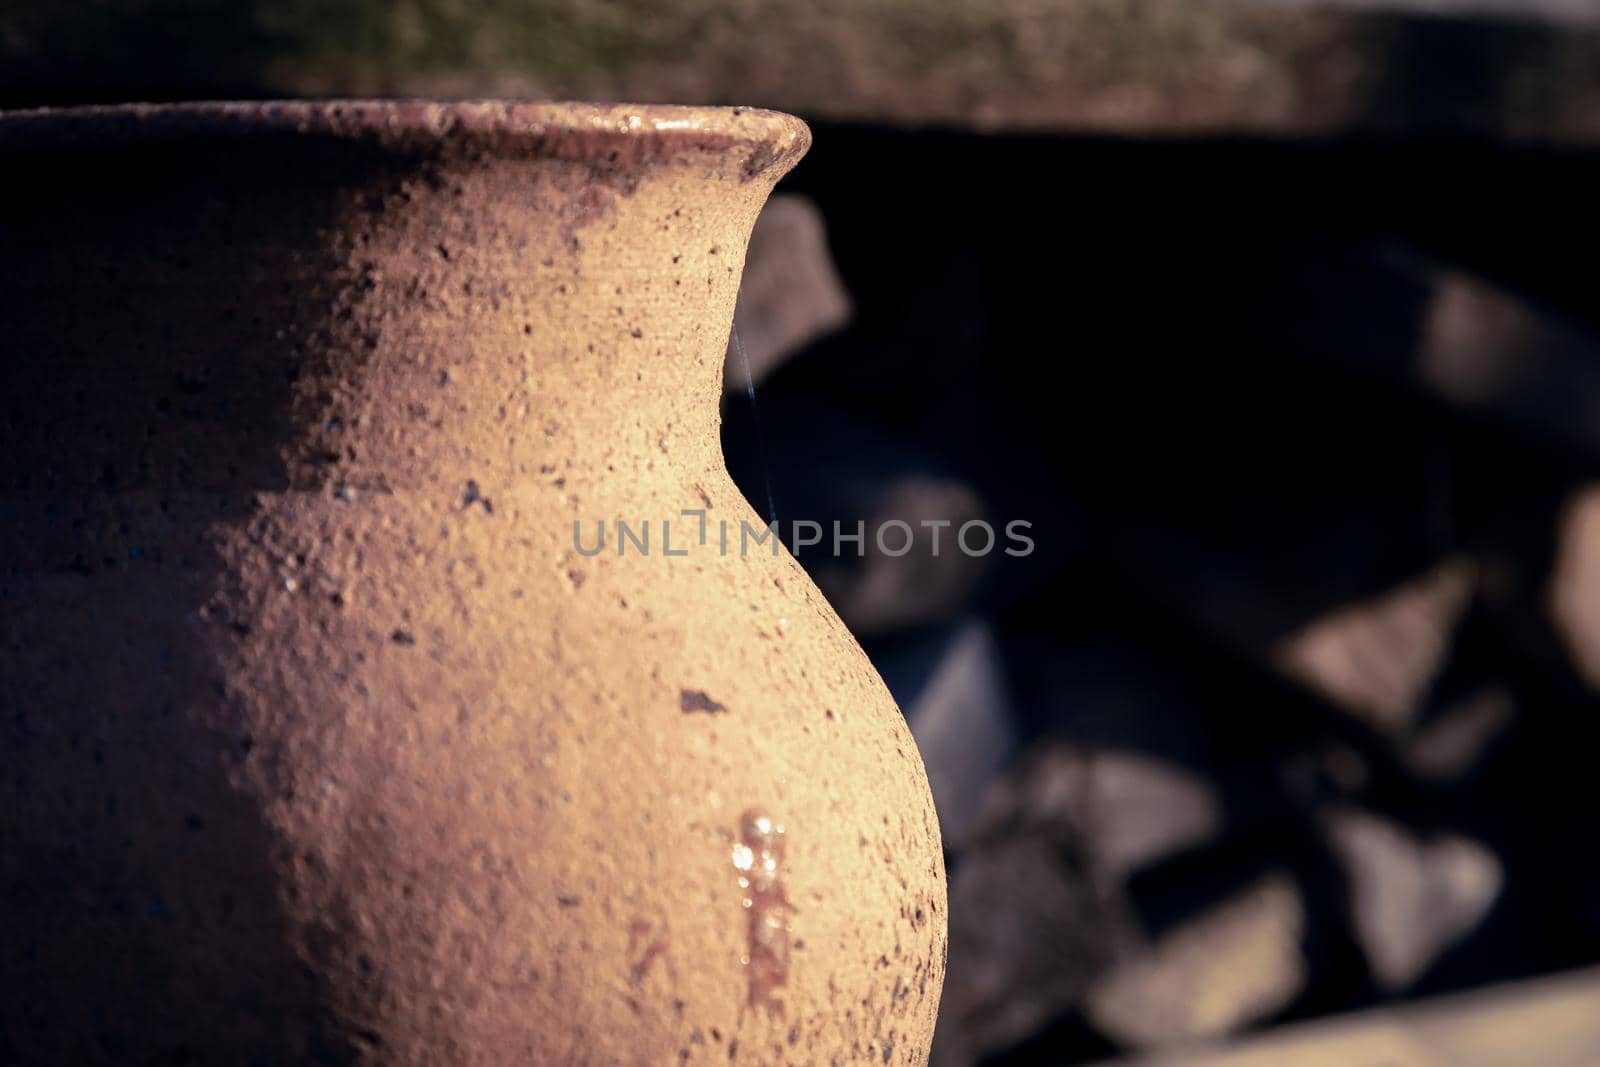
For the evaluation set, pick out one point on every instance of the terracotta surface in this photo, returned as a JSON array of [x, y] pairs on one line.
[[320, 742]]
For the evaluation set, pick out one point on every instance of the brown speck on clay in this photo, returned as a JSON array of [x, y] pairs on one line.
[[697, 700], [472, 495]]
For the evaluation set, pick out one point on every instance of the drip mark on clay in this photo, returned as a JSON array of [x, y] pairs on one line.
[[758, 857]]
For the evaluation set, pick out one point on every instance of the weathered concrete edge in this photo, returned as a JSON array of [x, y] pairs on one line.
[[1149, 68]]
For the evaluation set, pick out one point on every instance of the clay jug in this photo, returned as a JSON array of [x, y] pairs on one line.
[[325, 737]]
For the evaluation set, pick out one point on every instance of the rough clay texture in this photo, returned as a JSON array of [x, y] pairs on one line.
[[320, 742]]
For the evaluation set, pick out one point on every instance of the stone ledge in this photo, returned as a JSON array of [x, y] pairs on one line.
[[1549, 1021], [1165, 68]]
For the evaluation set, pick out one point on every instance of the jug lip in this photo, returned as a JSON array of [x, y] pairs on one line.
[[564, 129]]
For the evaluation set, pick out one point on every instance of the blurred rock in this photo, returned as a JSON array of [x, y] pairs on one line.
[[1037, 903], [1389, 311], [962, 722], [1450, 745], [1411, 899], [790, 293], [1107, 687], [826, 467], [1378, 659], [1235, 964], [1136, 810], [1028, 932], [1128, 809], [1575, 583], [1491, 352], [879, 591]]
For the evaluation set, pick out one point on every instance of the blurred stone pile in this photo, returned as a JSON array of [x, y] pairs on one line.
[[1290, 712]]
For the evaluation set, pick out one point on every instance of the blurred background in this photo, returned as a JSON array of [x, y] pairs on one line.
[[1277, 320]]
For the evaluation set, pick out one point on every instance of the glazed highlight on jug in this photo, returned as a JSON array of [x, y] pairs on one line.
[[319, 741]]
